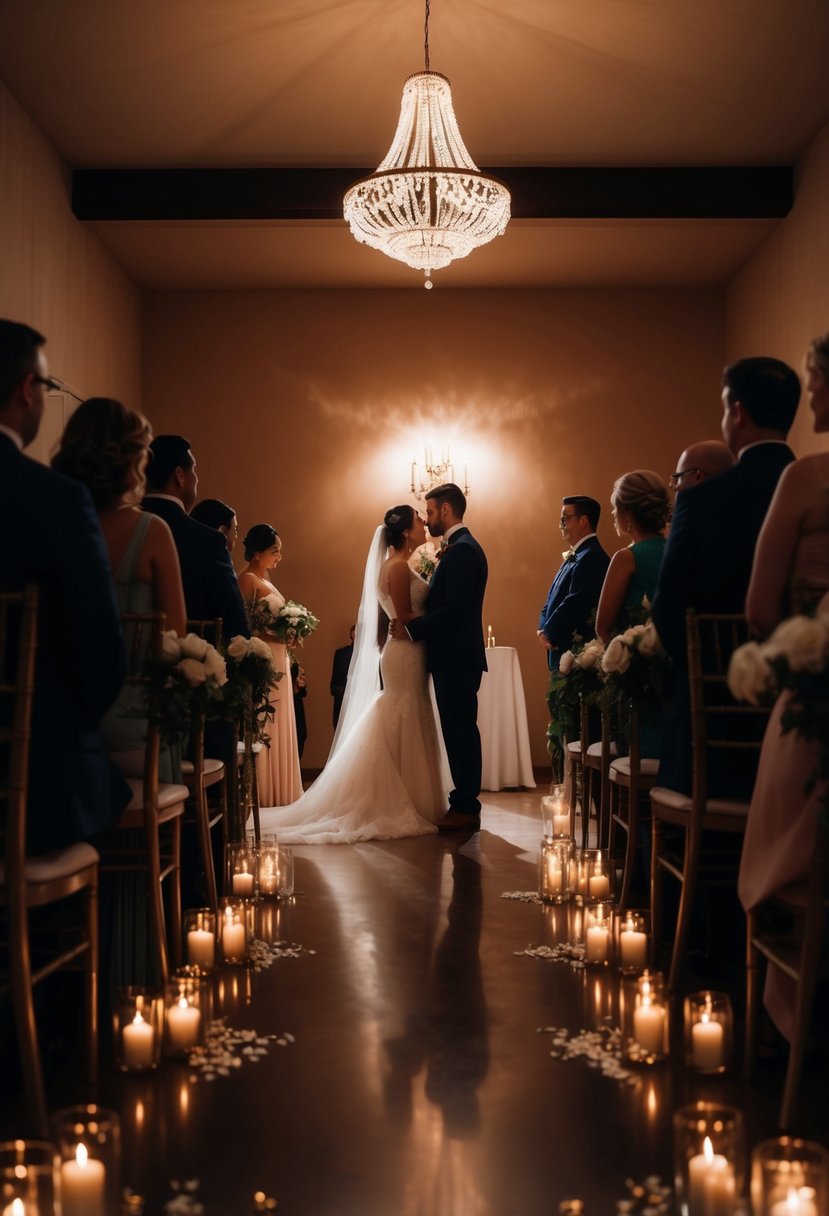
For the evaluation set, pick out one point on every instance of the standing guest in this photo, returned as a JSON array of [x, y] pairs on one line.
[[707, 562], [210, 588], [641, 511], [300, 687], [277, 766], [56, 543], [574, 595], [105, 447], [214, 513], [701, 460], [339, 673]]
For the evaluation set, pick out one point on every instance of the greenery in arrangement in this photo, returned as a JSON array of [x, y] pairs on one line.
[[250, 677], [426, 564], [795, 659], [578, 678], [289, 623]]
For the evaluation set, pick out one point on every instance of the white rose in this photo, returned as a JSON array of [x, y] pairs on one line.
[[616, 658], [590, 656], [193, 647], [261, 649], [238, 647], [214, 665], [802, 641], [749, 674], [274, 602], [650, 642], [170, 646], [193, 671], [565, 663], [630, 635]]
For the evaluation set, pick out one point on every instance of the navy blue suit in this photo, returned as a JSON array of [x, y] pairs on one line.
[[456, 657], [52, 538], [707, 566], [210, 586], [573, 599]]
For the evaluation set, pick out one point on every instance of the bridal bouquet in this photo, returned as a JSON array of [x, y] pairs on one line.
[[250, 677], [189, 676], [289, 623], [794, 658], [426, 564]]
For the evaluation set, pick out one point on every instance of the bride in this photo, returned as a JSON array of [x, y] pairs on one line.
[[386, 775]]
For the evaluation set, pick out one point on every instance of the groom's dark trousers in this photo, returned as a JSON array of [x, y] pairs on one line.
[[456, 657]]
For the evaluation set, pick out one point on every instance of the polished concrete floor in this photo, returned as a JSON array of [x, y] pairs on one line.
[[418, 1084]]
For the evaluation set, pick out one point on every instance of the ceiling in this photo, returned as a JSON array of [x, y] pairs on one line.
[[302, 83]]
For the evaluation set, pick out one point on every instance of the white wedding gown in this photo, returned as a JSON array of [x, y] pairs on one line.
[[388, 778]]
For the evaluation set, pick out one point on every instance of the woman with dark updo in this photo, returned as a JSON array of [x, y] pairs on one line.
[[277, 767], [386, 775]]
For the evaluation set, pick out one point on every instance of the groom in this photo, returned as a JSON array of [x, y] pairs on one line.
[[455, 654]]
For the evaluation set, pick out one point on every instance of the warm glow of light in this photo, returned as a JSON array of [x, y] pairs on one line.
[[708, 1151], [82, 1156]]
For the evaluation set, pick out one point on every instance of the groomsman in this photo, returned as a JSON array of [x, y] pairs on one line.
[[708, 458], [339, 673], [570, 607], [708, 558], [52, 539]]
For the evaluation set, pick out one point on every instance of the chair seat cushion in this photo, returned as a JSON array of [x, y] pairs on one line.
[[210, 767], [648, 767], [595, 749], [574, 748], [168, 795], [673, 800], [48, 867]]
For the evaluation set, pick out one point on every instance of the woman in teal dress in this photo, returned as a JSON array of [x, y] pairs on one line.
[[641, 510]]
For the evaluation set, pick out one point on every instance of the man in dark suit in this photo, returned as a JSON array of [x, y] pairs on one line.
[[339, 673], [455, 654], [708, 558], [210, 587], [570, 607], [53, 540]]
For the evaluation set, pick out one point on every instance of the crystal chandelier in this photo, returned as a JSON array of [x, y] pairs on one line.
[[427, 203]]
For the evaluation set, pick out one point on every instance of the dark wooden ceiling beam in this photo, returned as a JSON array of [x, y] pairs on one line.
[[714, 193]]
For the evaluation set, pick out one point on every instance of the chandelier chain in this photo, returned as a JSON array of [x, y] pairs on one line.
[[426, 37]]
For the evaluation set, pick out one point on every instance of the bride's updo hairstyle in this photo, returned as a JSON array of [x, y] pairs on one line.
[[644, 495], [260, 538], [396, 521], [105, 447]]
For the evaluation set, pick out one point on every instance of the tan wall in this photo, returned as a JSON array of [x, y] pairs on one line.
[[56, 275], [305, 409], [780, 299]]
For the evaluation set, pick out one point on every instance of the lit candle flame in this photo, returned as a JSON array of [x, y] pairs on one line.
[[708, 1151], [182, 1002], [18, 1208], [81, 1156], [138, 1019]]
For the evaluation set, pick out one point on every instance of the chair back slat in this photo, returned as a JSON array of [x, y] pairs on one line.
[[210, 630], [18, 648]]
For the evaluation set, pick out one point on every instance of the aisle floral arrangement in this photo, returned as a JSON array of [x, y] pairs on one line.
[[579, 677], [250, 677], [189, 676], [636, 671], [795, 659], [289, 623]]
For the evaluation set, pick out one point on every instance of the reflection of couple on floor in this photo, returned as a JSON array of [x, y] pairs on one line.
[[386, 773]]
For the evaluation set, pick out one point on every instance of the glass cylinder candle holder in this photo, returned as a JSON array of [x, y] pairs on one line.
[[29, 1178], [709, 1031], [593, 879], [233, 930], [646, 1021], [789, 1177], [285, 876], [89, 1142], [554, 872], [269, 871], [194, 977], [200, 936], [631, 933], [708, 1159], [184, 1021], [555, 814], [598, 934], [138, 1023], [241, 871]]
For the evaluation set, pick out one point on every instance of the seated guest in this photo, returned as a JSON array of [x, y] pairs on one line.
[[574, 594], [210, 588], [791, 571], [105, 446], [707, 562], [214, 513], [55, 542], [641, 511], [339, 673], [706, 459]]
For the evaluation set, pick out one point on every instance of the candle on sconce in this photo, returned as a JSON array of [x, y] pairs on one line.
[[83, 1183], [414, 475]]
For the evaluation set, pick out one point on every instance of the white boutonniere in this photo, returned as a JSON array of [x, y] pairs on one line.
[[569, 555]]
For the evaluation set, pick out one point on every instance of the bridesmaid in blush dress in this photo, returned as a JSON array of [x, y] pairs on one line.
[[277, 767], [790, 575]]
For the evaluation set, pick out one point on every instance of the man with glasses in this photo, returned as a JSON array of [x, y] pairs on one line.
[[701, 460], [570, 607], [74, 791]]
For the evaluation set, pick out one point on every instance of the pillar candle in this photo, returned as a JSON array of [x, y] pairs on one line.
[[233, 937], [599, 886], [183, 1023], [712, 1189], [138, 1041], [553, 874], [267, 883], [597, 942], [561, 823], [649, 1027], [634, 948], [707, 1044], [201, 948], [243, 883], [800, 1201], [83, 1184]]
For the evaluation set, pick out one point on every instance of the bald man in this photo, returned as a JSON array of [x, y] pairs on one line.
[[699, 461]]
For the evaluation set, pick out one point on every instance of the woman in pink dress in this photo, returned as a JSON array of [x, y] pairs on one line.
[[790, 575], [277, 766]]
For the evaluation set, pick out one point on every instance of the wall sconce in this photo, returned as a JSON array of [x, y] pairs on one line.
[[437, 471]]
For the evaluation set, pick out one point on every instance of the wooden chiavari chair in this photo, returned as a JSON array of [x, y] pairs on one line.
[[632, 776]]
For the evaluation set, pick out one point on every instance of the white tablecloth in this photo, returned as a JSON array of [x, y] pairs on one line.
[[502, 721]]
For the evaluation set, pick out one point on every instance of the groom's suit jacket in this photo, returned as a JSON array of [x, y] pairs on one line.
[[52, 539], [210, 586], [573, 598], [452, 626]]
